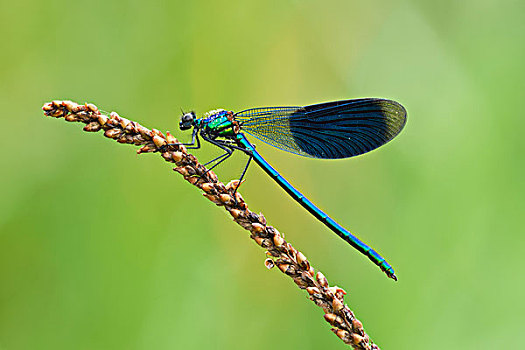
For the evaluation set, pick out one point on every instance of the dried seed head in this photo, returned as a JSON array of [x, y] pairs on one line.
[[288, 259]]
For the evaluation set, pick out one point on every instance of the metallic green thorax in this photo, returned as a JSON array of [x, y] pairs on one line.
[[221, 126], [218, 124]]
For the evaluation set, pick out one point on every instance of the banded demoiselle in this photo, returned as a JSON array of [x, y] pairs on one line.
[[332, 130]]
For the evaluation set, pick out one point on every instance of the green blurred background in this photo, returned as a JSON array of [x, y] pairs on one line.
[[104, 249]]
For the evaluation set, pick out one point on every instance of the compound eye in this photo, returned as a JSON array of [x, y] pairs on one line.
[[188, 117], [186, 121]]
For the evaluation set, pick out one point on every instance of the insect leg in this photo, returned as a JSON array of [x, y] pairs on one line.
[[250, 156], [194, 144]]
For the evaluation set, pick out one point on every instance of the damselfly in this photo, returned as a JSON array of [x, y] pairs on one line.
[[332, 130]]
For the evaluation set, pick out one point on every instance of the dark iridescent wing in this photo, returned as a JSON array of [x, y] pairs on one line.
[[339, 129]]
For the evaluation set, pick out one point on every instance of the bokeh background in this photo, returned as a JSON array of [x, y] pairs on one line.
[[104, 249]]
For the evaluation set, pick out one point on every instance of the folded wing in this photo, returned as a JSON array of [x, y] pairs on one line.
[[339, 129]]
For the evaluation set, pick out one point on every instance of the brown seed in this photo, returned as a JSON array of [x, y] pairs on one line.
[[76, 108], [91, 107], [145, 132], [330, 318], [131, 127], [181, 170], [283, 267], [343, 335], [312, 290], [69, 117], [193, 180], [356, 324], [269, 264], [321, 279], [69, 105], [338, 292], [211, 197], [257, 228], [259, 240], [158, 132], [211, 175], [48, 107], [112, 133], [92, 127], [356, 339], [124, 122], [207, 187], [176, 156], [311, 271], [144, 149], [337, 305], [236, 213], [232, 185], [170, 138], [278, 240], [301, 258], [262, 219], [102, 119], [159, 141], [225, 198], [300, 282]]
